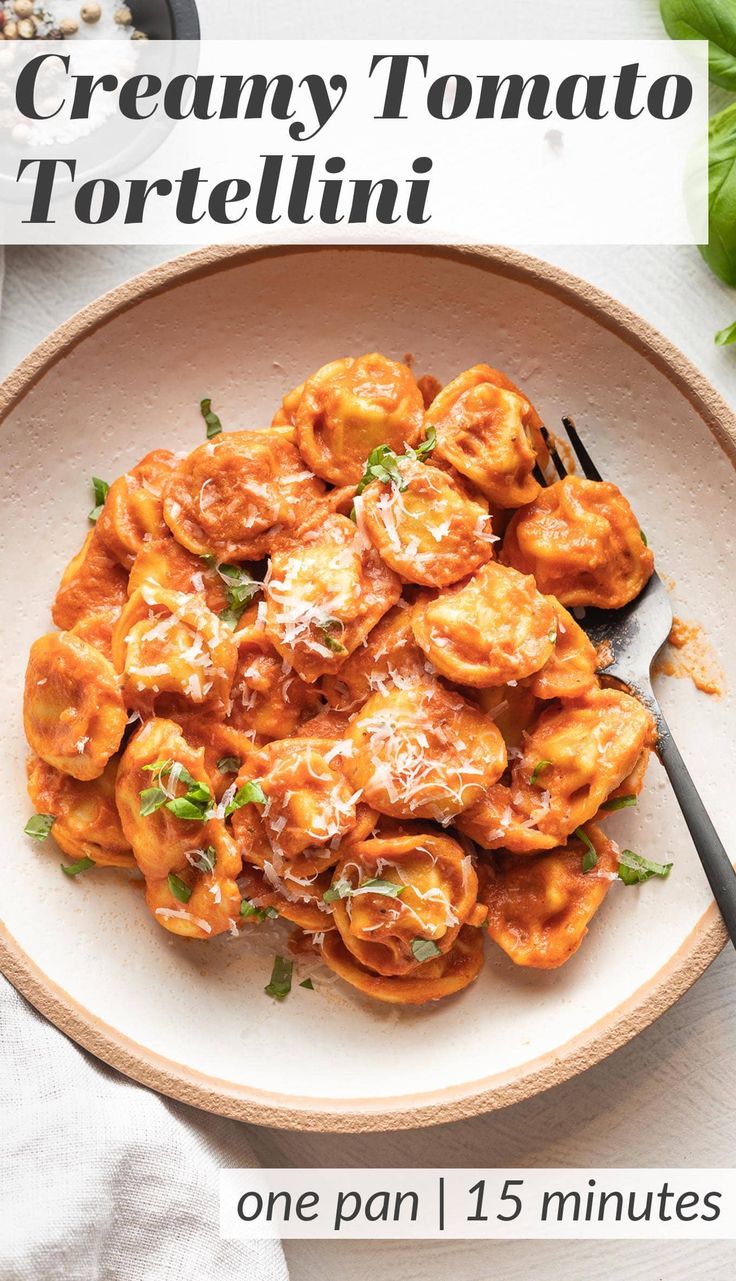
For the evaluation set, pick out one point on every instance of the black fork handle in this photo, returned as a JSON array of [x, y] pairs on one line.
[[716, 863]]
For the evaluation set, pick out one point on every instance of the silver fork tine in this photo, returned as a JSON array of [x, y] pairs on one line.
[[560, 467], [586, 462]]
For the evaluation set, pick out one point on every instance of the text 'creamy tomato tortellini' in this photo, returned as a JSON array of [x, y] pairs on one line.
[[571, 761], [309, 807], [233, 496], [494, 628], [350, 407], [323, 596], [423, 752], [133, 509], [490, 433], [539, 908], [173, 653], [177, 834], [73, 711], [582, 542], [86, 819], [92, 582], [426, 527]]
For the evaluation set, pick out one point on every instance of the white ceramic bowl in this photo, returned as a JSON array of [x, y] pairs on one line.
[[243, 326]]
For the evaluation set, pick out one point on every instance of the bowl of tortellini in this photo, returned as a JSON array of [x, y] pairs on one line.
[[350, 828]]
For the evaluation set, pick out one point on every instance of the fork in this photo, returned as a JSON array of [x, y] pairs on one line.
[[630, 639]]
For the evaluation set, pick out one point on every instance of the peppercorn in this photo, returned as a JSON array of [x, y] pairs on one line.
[[68, 26], [90, 13], [123, 16], [23, 8]]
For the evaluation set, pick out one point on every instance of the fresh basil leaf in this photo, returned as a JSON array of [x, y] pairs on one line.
[[250, 912], [425, 448], [74, 869], [377, 885], [39, 826], [162, 769], [152, 799], [280, 984], [193, 811], [338, 889], [179, 888], [720, 252], [101, 490], [424, 949], [241, 588], [214, 426], [206, 859], [590, 857], [619, 803], [327, 628], [634, 868], [229, 764], [249, 794], [726, 336], [382, 464], [711, 20], [308, 984], [538, 768]]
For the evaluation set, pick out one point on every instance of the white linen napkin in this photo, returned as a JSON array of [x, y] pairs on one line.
[[104, 1180]]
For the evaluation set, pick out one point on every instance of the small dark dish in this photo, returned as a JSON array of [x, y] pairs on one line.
[[166, 19]]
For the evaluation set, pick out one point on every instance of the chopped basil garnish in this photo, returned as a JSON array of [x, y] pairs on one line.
[[229, 764], [726, 336], [590, 857], [643, 538], [634, 868], [540, 765], [383, 464], [619, 803], [327, 629], [39, 826], [241, 588], [339, 889], [214, 426], [374, 885], [280, 985], [73, 869], [101, 490], [250, 912], [179, 888], [205, 859], [308, 984], [424, 949], [196, 804], [248, 794]]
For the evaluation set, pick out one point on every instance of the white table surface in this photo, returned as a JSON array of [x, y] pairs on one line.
[[666, 1099]]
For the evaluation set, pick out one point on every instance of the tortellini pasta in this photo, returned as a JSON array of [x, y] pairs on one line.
[[423, 752], [324, 596], [493, 629], [350, 407], [236, 494], [582, 542], [488, 431], [429, 531], [539, 908], [73, 711], [296, 680]]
